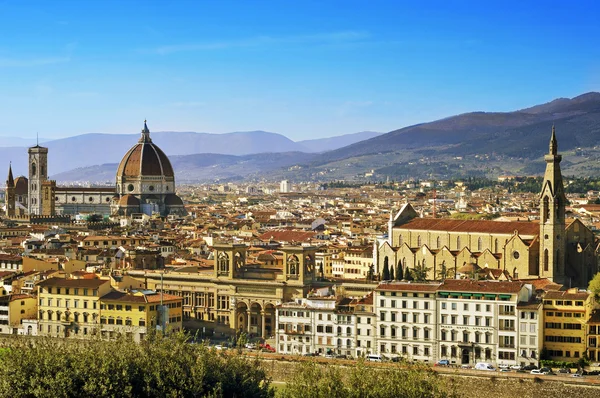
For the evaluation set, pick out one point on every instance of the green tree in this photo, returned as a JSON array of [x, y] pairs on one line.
[[399, 273], [408, 274], [420, 272], [392, 274], [157, 367], [594, 286], [385, 275]]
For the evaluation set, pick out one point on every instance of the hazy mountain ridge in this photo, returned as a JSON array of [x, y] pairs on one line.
[[98, 149], [200, 167]]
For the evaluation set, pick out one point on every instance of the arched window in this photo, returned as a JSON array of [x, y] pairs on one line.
[[545, 209], [419, 241], [399, 240], [438, 242], [293, 265], [33, 169], [479, 244], [545, 260], [458, 243], [223, 264], [496, 246]]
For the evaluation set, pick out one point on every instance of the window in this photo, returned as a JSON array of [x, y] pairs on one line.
[[443, 306], [466, 306], [454, 306]]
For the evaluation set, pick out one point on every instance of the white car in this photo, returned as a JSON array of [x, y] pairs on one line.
[[516, 367], [576, 375], [503, 366], [536, 372]]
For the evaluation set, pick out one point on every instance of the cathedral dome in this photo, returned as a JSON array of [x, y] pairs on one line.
[[173, 200], [21, 185], [145, 159]]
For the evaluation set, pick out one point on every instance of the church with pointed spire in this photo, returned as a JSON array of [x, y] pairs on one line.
[[565, 253], [144, 183]]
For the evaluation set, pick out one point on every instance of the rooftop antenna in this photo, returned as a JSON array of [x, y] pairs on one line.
[[37, 138]]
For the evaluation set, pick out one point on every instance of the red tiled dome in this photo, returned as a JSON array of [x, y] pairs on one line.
[[145, 159]]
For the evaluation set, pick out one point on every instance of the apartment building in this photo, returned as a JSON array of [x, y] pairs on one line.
[[478, 320], [320, 325], [530, 331], [366, 326], [593, 336], [70, 307], [565, 317], [406, 320], [135, 313], [14, 309]]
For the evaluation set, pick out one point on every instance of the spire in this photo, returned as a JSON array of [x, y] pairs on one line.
[[10, 182], [145, 134], [553, 144]]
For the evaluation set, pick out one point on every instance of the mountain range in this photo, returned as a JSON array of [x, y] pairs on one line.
[[89, 150], [470, 144]]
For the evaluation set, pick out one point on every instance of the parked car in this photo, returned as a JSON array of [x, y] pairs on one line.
[[576, 375], [516, 367], [536, 372], [504, 370], [564, 370], [442, 362], [546, 371], [503, 366], [529, 367], [484, 366], [250, 346]]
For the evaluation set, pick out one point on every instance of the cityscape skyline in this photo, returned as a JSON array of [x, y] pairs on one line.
[[309, 71]]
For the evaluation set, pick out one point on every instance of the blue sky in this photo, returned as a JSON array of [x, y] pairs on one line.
[[300, 68]]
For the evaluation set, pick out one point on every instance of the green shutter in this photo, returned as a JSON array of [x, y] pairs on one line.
[[477, 295], [505, 296]]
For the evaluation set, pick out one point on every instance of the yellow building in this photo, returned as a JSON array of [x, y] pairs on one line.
[[14, 308], [70, 307], [593, 336], [565, 318], [136, 312]]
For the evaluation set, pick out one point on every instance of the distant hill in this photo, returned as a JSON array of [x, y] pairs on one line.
[[203, 167], [331, 143], [522, 133], [95, 149]]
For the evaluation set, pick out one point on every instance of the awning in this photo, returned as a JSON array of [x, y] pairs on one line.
[[444, 294], [504, 296], [454, 294], [477, 295], [490, 295], [467, 294]]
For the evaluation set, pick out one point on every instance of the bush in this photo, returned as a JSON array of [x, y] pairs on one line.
[[157, 367], [330, 381]]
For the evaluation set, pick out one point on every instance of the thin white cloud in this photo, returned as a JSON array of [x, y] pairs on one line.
[[261, 41], [31, 62]]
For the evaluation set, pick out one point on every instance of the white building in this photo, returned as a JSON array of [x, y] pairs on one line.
[[477, 320], [530, 331], [406, 320], [284, 186], [366, 336], [321, 325]]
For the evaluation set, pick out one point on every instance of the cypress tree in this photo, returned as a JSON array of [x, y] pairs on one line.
[[392, 273], [386, 270], [399, 273], [408, 275]]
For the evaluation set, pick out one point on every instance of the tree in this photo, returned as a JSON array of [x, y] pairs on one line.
[[386, 270], [159, 366], [392, 274], [420, 272], [399, 273], [408, 274], [312, 379], [594, 286]]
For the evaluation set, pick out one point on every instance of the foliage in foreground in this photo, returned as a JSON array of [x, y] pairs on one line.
[[157, 367], [364, 381]]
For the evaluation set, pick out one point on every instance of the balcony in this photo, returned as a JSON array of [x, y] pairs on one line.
[[507, 329], [507, 313], [503, 345]]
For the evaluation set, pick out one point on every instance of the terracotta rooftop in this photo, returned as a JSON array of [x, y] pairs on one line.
[[408, 286], [79, 283], [565, 295], [466, 285], [481, 226], [287, 236]]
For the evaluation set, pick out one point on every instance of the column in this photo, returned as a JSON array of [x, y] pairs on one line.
[[248, 317], [262, 324]]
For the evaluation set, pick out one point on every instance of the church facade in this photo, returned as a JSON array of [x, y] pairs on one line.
[[444, 248], [145, 183]]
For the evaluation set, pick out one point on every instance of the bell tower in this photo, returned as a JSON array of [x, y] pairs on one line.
[[38, 174], [10, 194], [552, 217]]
